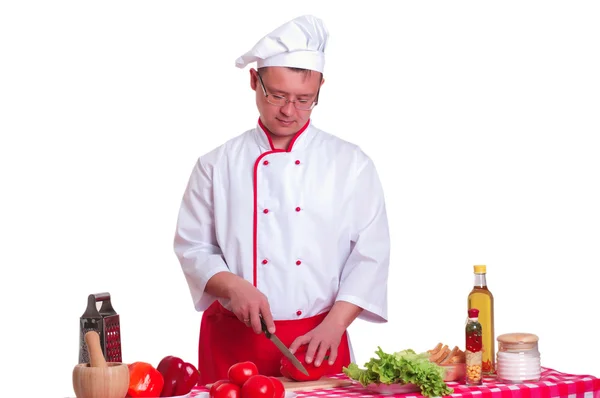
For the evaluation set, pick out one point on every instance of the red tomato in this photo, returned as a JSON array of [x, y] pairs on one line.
[[227, 390], [258, 386], [279, 388], [216, 384], [240, 372]]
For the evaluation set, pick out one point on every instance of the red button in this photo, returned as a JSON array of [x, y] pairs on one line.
[[298, 312], [266, 162], [298, 262], [297, 162], [265, 211], [265, 261], [297, 209]]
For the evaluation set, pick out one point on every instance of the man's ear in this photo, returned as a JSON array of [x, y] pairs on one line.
[[253, 79]]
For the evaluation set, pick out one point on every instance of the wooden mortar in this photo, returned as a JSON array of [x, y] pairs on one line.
[[98, 378]]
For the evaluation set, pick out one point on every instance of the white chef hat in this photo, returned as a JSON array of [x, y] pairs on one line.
[[299, 43]]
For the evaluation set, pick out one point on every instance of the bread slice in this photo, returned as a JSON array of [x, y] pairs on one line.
[[448, 357], [458, 358], [435, 350], [440, 355]]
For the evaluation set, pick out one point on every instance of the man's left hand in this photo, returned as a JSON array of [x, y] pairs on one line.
[[321, 340]]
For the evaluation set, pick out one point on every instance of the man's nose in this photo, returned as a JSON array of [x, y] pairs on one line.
[[288, 109]]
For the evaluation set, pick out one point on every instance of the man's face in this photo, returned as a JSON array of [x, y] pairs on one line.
[[284, 120]]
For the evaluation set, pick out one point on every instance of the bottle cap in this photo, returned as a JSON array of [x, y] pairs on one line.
[[479, 269], [473, 313]]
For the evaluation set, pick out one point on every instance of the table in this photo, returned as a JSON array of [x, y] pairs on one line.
[[551, 384]]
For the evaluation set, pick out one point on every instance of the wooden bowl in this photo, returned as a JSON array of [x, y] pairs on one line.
[[101, 382]]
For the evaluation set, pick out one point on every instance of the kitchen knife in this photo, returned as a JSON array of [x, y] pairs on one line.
[[284, 350]]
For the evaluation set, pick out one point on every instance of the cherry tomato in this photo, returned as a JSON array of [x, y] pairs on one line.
[[226, 390], [240, 372], [279, 388], [258, 386], [216, 384]]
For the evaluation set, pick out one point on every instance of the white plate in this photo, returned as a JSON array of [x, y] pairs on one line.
[[288, 394]]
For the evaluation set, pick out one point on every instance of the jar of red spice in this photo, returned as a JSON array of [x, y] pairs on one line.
[[473, 353]]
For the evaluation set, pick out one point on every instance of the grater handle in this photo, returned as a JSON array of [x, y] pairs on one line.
[[101, 296], [104, 297]]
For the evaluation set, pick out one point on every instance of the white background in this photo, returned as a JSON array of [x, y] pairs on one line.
[[482, 119]]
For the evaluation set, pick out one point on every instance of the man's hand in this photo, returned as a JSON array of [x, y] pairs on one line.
[[246, 301], [321, 340], [248, 304], [326, 337]]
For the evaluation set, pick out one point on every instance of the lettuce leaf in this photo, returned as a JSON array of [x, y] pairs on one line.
[[403, 367]]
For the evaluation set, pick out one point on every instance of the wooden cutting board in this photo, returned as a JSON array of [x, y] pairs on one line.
[[323, 382]]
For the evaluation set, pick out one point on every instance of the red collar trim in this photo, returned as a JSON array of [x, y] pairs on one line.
[[292, 142]]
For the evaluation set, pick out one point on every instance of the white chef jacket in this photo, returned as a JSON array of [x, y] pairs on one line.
[[307, 226]]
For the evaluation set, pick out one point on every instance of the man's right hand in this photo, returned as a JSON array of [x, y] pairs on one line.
[[247, 302]]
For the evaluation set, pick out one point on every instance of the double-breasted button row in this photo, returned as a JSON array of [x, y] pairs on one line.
[[298, 262], [265, 262], [266, 211], [297, 209], [266, 162]]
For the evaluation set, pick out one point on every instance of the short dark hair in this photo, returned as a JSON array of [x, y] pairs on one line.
[[305, 72]]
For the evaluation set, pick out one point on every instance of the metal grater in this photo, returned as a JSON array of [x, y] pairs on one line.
[[106, 323]]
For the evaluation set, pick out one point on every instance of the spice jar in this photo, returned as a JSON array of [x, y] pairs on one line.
[[518, 358], [473, 353]]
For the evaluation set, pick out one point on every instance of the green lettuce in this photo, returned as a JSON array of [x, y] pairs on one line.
[[403, 367]]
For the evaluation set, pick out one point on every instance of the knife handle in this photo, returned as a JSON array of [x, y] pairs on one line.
[[264, 327]]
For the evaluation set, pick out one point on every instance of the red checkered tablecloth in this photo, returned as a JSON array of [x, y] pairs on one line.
[[552, 384]]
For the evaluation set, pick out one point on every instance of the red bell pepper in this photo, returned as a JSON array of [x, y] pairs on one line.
[[144, 380], [288, 369], [180, 377]]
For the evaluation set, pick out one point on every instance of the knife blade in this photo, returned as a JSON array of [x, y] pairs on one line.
[[284, 350]]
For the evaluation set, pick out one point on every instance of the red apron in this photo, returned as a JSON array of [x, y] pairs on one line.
[[224, 341]]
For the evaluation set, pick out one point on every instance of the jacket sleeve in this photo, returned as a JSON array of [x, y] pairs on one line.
[[365, 273], [195, 241]]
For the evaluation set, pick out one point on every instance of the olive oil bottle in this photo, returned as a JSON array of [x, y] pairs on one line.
[[482, 299]]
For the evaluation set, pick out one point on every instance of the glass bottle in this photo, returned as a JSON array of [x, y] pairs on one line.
[[482, 299], [473, 349]]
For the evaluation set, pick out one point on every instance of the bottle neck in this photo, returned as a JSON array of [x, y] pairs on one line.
[[480, 280]]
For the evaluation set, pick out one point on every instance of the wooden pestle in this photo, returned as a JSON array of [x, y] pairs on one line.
[[92, 339], [98, 378]]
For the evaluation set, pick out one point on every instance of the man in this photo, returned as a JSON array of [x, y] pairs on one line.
[[283, 222]]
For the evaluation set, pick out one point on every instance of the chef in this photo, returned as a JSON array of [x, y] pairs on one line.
[[284, 222]]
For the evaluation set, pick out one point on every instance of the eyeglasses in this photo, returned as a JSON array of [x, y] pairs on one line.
[[280, 100]]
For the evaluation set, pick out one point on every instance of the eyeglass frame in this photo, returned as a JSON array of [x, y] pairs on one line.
[[287, 101]]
